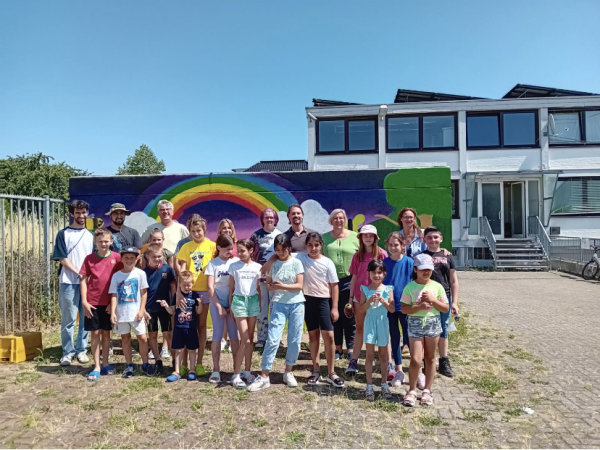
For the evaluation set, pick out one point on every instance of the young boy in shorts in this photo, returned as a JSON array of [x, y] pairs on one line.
[[96, 272], [445, 274], [185, 333], [129, 289], [161, 286]]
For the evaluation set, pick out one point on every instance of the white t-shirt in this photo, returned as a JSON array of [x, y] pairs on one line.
[[219, 269], [246, 277], [286, 272], [318, 273], [127, 287]]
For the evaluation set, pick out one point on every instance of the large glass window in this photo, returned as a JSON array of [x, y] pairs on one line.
[[343, 135], [502, 129], [577, 196], [564, 128], [421, 131], [592, 126]]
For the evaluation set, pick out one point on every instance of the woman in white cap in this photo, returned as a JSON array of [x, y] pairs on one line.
[[368, 250]]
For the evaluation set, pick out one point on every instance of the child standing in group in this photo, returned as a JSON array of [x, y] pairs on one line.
[[96, 272], [161, 286], [244, 298], [444, 272], [399, 270], [320, 289], [376, 300], [284, 280], [157, 237], [423, 299], [194, 256], [368, 250], [217, 275], [185, 333], [128, 289]]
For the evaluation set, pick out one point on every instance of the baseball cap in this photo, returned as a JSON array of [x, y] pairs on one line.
[[118, 207], [130, 249], [423, 261], [368, 229]]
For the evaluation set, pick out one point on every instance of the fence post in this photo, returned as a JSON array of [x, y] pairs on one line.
[[47, 251]]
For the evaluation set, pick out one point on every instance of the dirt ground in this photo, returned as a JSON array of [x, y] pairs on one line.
[[498, 371]]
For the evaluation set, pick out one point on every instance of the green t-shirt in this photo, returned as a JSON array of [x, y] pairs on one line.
[[412, 296], [341, 251]]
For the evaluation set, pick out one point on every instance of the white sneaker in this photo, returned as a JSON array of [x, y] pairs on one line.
[[82, 357], [289, 379], [66, 360], [259, 383], [223, 344], [398, 379], [237, 382], [164, 353], [150, 354], [421, 381]]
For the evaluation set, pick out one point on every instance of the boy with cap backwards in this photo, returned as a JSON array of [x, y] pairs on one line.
[[422, 300], [129, 290], [123, 236]]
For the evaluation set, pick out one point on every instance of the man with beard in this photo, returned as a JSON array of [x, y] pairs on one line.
[[297, 231], [123, 236], [71, 246]]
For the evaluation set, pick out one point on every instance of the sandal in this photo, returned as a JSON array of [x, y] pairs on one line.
[[173, 377], [94, 375], [108, 370], [191, 376], [314, 379], [410, 398], [334, 380], [426, 398], [129, 371], [215, 377]]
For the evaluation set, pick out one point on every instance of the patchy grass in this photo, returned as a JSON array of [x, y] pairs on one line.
[[27, 377]]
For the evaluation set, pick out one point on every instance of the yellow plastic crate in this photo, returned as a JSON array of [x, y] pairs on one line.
[[20, 346]]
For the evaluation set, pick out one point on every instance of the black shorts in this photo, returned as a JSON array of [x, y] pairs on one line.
[[185, 337], [100, 319], [317, 313], [162, 317]]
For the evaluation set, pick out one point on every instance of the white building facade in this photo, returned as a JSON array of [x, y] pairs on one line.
[[511, 159]]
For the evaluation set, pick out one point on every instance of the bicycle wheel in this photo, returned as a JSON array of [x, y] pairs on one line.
[[590, 270]]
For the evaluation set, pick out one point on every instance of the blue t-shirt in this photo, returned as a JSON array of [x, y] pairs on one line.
[[398, 274], [187, 318], [159, 286]]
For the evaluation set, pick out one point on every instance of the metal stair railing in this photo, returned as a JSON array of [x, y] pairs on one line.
[[535, 228], [488, 235]]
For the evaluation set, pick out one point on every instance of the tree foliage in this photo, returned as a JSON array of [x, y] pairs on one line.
[[36, 175], [142, 162]]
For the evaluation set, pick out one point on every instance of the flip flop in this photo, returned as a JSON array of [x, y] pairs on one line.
[[108, 370], [215, 377], [173, 377], [94, 375]]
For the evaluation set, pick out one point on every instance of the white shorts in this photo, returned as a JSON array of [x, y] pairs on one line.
[[138, 327]]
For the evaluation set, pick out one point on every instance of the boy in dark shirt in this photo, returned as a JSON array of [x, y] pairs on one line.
[[445, 274]]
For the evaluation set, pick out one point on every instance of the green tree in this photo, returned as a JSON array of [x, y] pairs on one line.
[[142, 162], [36, 175]]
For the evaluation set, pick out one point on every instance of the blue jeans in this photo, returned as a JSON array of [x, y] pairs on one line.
[[395, 335], [69, 301], [445, 317], [294, 314]]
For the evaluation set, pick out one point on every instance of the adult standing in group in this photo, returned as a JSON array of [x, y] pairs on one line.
[[173, 230], [297, 231], [410, 231], [263, 249], [71, 246], [123, 236], [340, 245]]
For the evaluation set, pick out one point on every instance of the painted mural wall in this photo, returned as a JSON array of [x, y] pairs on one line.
[[368, 196]]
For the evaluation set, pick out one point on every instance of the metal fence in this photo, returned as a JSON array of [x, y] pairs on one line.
[[29, 289], [572, 248]]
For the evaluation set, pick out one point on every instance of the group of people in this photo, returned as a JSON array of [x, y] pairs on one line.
[[342, 285]]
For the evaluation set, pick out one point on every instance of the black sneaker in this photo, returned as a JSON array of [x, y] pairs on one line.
[[444, 368], [159, 367]]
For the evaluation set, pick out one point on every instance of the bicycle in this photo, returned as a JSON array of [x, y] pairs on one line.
[[592, 268]]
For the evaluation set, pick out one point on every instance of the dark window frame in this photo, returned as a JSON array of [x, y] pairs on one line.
[[346, 150], [500, 116], [582, 127], [585, 197], [420, 148], [455, 198]]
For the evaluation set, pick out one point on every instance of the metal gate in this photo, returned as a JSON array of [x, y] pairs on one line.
[[29, 289]]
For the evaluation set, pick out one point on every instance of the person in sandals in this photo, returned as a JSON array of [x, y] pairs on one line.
[[422, 300]]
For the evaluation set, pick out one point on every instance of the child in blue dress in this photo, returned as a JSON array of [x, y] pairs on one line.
[[376, 300]]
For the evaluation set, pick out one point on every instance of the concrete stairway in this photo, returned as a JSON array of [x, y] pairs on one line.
[[520, 254]]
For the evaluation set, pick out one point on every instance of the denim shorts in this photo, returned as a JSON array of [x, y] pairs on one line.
[[242, 306], [423, 327]]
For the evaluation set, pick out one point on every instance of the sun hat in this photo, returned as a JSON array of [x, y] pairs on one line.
[[423, 261], [118, 207], [368, 229]]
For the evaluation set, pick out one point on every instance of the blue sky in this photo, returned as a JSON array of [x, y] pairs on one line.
[[212, 86]]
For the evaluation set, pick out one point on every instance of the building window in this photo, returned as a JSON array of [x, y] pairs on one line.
[[420, 132], [577, 196], [346, 135], [455, 199], [574, 127], [506, 129]]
